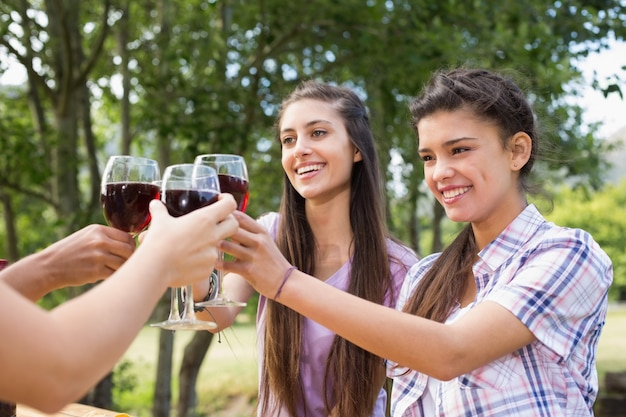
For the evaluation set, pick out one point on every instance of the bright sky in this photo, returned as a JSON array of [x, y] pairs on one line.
[[611, 111]]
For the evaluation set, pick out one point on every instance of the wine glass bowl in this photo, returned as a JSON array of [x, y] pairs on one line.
[[126, 190], [232, 173]]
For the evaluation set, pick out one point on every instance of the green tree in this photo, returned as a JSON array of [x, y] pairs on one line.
[[598, 213]]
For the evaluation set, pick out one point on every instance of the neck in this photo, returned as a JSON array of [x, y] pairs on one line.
[[330, 224], [487, 231]]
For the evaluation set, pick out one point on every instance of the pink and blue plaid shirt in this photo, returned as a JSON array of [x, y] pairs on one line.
[[555, 280]]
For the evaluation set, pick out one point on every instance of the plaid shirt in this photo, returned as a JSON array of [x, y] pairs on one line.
[[555, 280]]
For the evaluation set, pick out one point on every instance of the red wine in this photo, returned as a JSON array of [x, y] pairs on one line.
[[8, 409], [125, 204], [181, 202], [236, 186]]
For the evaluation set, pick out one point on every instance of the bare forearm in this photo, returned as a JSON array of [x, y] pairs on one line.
[[444, 351], [78, 335], [235, 288], [368, 324], [25, 276]]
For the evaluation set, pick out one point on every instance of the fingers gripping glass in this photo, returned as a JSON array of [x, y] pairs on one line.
[[233, 176], [184, 188]]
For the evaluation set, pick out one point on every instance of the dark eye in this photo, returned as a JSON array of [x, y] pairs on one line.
[[318, 132], [459, 150], [426, 158], [287, 140]]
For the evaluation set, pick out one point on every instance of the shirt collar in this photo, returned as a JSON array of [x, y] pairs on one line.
[[512, 238]]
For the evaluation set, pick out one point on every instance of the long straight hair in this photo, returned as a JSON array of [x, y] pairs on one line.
[[353, 370], [493, 98]]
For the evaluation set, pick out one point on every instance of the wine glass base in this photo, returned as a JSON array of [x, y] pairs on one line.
[[186, 325], [221, 302]]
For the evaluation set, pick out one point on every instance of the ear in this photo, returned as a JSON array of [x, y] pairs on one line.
[[521, 147], [357, 155]]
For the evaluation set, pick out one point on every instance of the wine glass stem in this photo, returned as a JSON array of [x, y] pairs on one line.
[[189, 313], [174, 311], [220, 279]]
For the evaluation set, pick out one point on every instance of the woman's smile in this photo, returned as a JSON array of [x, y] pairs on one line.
[[453, 194]]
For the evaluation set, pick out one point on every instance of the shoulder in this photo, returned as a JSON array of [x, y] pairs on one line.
[[422, 266], [399, 253], [576, 242], [269, 220], [531, 235]]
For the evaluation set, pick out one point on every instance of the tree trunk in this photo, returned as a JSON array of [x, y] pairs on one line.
[[162, 403], [65, 42], [414, 230], [101, 396], [9, 224], [91, 157], [438, 215], [195, 353]]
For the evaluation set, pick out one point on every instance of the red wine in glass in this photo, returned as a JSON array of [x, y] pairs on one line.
[[125, 204], [183, 201], [238, 187], [127, 187]]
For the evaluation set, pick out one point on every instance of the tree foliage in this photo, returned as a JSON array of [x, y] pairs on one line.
[[596, 213]]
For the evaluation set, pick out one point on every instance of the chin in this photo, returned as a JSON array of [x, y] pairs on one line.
[[456, 216]]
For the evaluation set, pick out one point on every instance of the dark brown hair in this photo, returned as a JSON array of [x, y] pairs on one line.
[[493, 98], [358, 374]]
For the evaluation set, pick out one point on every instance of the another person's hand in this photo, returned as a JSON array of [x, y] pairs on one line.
[[258, 259], [86, 256], [190, 242], [91, 254]]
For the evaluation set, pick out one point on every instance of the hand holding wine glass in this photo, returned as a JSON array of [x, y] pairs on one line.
[[233, 177], [184, 188], [126, 191]]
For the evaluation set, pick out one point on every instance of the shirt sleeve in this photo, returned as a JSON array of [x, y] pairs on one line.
[[558, 288], [269, 220]]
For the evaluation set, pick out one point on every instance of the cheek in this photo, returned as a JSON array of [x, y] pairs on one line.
[[285, 160], [428, 178]]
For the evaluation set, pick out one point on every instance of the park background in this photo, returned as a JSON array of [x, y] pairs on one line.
[[170, 79]]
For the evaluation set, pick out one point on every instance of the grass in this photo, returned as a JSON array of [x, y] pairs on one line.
[[227, 383], [612, 344], [227, 378]]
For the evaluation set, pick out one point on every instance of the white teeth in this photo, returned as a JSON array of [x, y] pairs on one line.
[[455, 192], [309, 168]]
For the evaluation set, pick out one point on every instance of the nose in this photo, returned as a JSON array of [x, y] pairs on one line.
[[301, 147], [441, 170]]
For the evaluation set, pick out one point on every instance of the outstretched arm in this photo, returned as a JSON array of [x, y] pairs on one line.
[[441, 350], [49, 359]]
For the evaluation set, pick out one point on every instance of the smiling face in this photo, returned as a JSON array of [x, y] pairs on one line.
[[469, 170], [317, 153]]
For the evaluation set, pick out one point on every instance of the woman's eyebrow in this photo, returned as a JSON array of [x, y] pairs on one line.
[[449, 143]]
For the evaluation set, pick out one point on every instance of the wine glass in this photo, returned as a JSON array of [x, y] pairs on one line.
[[126, 190], [174, 314], [184, 188], [233, 176]]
